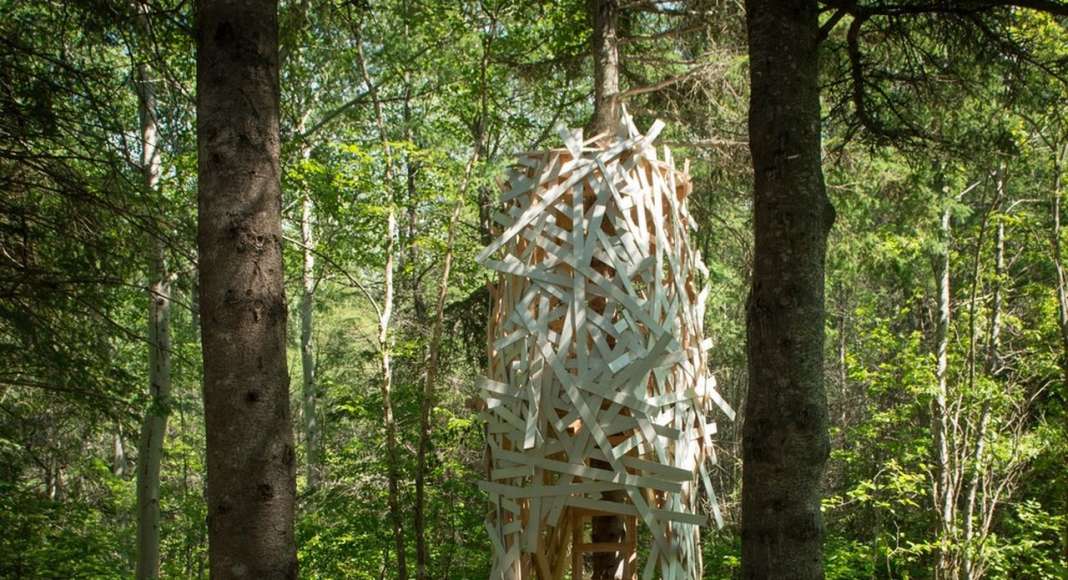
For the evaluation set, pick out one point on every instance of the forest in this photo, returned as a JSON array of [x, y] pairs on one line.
[[243, 326]]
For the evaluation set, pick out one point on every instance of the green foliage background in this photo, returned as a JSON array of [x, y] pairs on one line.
[[952, 109]]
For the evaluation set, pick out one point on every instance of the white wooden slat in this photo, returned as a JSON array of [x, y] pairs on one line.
[[595, 334], [627, 480]]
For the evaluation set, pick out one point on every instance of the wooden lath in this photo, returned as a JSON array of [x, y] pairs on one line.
[[597, 379]]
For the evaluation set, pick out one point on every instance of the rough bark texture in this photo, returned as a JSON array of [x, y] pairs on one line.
[[604, 15], [154, 426], [250, 457], [785, 440]]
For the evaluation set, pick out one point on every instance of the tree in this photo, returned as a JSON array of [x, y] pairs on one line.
[[250, 456], [295, 35], [785, 441], [154, 426], [604, 17]]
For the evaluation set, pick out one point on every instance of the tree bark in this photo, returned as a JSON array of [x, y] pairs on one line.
[[310, 390], [604, 15], [385, 344], [942, 485], [785, 441], [309, 384], [118, 455], [251, 476], [154, 425]]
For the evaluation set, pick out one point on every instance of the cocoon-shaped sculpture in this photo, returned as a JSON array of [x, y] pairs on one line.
[[598, 398]]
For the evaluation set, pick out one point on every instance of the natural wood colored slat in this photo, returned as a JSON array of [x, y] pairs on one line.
[[596, 352]]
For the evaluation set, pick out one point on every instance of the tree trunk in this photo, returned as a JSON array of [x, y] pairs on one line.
[[785, 441], [251, 473], [385, 344], [118, 456], [309, 385], [154, 425], [310, 390], [604, 15], [968, 569], [941, 486]]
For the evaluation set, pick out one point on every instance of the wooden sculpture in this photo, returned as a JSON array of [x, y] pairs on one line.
[[597, 378]]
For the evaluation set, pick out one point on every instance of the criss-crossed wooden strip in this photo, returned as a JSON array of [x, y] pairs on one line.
[[596, 355]]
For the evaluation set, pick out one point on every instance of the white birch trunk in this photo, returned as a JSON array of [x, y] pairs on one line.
[[385, 344], [154, 427], [942, 492], [307, 347], [309, 384]]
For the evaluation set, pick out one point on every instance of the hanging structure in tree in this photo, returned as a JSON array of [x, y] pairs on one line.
[[597, 377]]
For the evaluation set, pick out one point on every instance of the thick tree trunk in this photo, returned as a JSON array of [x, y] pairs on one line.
[[309, 391], [604, 15], [942, 485], [251, 479], [785, 440], [154, 425]]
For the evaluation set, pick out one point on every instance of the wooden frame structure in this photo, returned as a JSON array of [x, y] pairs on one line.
[[597, 393]]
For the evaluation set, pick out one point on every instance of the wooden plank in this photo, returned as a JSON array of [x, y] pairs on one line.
[[605, 475], [514, 491]]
